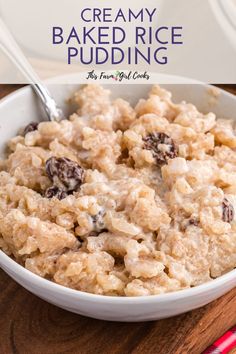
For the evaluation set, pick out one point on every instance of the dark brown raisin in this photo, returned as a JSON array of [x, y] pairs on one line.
[[56, 192], [65, 173], [227, 211], [30, 128], [162, 147]]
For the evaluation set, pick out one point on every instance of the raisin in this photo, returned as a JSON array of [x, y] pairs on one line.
[[162, 147], [56, 192], [227, 211], [65, 173], [30, 128]]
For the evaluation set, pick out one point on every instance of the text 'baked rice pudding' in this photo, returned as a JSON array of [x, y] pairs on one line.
[[122, 201]]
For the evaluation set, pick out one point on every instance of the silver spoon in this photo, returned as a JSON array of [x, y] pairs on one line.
[[15, 54]]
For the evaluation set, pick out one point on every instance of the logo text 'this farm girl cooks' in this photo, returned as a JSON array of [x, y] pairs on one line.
[[117, 36]]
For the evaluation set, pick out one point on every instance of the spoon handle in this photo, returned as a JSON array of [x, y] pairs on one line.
[[13, 51]]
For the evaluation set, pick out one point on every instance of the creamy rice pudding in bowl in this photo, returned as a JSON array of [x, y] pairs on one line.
[[134, 195]]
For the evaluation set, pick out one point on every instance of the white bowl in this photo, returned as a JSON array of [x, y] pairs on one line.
[[21, 107]]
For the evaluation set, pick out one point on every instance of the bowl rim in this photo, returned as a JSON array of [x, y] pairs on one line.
[[6, 262]]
